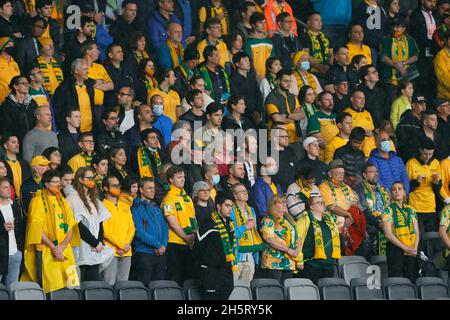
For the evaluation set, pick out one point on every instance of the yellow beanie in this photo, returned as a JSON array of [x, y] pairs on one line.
[[297, 56]]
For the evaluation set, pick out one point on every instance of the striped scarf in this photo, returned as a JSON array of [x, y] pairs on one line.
[[301, 81], [87, 158], [208, 82], [138, 57], [43, 66], [320, 46], [229, 248], [403, 224], [250, 240], [145, 165], [176, 54], [319, 251]]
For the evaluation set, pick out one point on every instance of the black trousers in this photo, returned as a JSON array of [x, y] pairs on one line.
[[146, 267], [314, 274], [448, 265], [90, 273], [180, 263], [279, 275], [217, 283], [400, 265], [428, 222]]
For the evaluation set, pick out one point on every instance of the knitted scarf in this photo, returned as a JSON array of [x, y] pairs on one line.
[[208, 82], [403, 224], [87, 158], [149, 85], [250, 240], [319, 251], [229, 248], [140, 57], [144, 163], [290, 230], [176, 58], [43, 66], [345, 189], [98, 180], [38, 180], [399, 52], [308, 112], [304, 193], [320, 46], [301, 81], [272, 81]]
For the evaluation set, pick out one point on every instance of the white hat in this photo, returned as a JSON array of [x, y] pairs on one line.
[[308, 141]]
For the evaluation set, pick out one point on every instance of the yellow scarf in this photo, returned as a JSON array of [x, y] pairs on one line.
[[229, 248], [176, 58], [319, 251], [183, 203], [250, 240], [403, 224], [309, 78], [140, 57], [145, 168], [399, 52], [43, 66]]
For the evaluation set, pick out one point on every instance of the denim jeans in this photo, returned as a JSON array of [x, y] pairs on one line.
[[13, 269]]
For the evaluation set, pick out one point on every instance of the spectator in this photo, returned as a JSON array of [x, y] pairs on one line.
[[341, 96], [158, 23], [287, 156], [203, 204], [8, 25], [49, 66], [235, 44], [66, 175], [51, 225], [212, 178], [36, 90], [352, 156], [197, 82], [118, 232], [321, 246], [361, 117], [392, 8], [271, 11], [83, 159], [402, 103], [171, 53], [161, 122], [8, 66], [195, 115], [146, 80], [150, 241], [126, 23], [444, 232], [312, 149], [286, 38], [300, 191], [39, 138], [339, 67], [356, 63], [214, 9], [182, 227], [137, 53], [18, 110], [125, 101], [76, 91], [18, 170], [52, 30], [390, 167], [166, 79], [243, 82], [39, 165], [12, 235], [307, 99], [369, 143], [443, 112], [117, 70], [150, 156], [92, 256], [54, 156], [265, 187], [27, 49], [278, 230], [236, 119], [258, 46], [373, 199], [183, 10], [401, 229], [319, 45], [356, 44], [213, 34], [269, 83], [100, 165], [246, 9], [216, 79], [443, 74], [345, 124], [410, 125], [218, 251], [117, 164], [248, 240], [378, 102], [110, 137], [302, 65], [186, 71], [439, 37]]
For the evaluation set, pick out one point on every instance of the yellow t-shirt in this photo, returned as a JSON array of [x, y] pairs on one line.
[[221, 47], [171, 102], [354, 50], [98, 72], [369, 144], [119, 229], [332, 146], [202, 14], [17, 175], [85, 108], [76, 162], [361, 119], [8, 70]]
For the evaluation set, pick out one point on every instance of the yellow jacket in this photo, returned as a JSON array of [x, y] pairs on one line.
[[332, 146], [76, 162], [171, 101], [8, 70], [361, 119], [119, 229], [399, 106], [221, 47], [442, 70]]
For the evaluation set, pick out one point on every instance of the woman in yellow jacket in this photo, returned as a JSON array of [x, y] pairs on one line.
[[402, 103]]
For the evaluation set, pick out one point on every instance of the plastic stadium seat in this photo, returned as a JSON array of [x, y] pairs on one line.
[[397, 288], [301, 289], [267, 289], [26, 291], [240, 292], [354, 269], [334, 289], [361, 291], [433, 243], [4, 294], [97, 290], [131, 290], [381, 261], [64, 294], [347, 259], [166, 290], [193, 289], [431, 288]]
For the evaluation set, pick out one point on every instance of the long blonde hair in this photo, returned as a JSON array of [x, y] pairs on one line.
[[79, 187], [271, 208]]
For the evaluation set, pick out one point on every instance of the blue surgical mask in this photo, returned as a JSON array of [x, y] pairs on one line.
[[215, 179], [305, 65], [158, 109], [152, 150], [386, 146]]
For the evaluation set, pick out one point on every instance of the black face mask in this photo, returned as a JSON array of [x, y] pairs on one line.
[[10, 50]]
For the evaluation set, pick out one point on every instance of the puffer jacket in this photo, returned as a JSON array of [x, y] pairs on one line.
[[354, 160], [17, 118]]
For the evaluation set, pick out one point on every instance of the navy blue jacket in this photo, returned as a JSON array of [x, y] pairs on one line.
[[262, 193], [157, 29]]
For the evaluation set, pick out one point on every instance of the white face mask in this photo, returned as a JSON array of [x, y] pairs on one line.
[[158, 109]]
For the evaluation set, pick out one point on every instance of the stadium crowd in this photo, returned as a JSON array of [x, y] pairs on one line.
[[220, 140]]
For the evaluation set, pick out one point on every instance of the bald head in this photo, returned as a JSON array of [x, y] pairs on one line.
[[175, 32]]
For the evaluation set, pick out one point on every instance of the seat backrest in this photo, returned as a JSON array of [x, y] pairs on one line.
[[301, 289], [241, 293], [97, 290], [263, 281], [4, 293], [334, 289], [193, 289], [131, 290], [433, 243], [65, 294], [354, 269], [26, 291], [269, 292], [397, 288], [431, 288], [347, 259], [166, 290], [361, 291]]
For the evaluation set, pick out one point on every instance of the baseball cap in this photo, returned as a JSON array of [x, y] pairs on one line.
[[191, 54], [339, 78], [336, 164], [438, 102], [309, 140], [39, 161], [418, 98]]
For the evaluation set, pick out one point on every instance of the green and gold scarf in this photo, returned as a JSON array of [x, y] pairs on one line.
[[229, 248]]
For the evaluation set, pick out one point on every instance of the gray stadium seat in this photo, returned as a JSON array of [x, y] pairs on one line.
[[433, 244], [240, 292], [301, 289], [396, 288], [166, 290], [430, 288], [354, 269], [131, 290], [334, 289], [64, 294], [347, 259], [193, 289], [26, 291], [361, 291], [97, 290], [267, 289], [381, 261], [4, 294]]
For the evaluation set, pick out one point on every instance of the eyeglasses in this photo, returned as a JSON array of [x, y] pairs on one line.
[[318, 202], [123, 94], [242, 191], [89, 178], [37, 72], [55, 181], [23, 83]]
